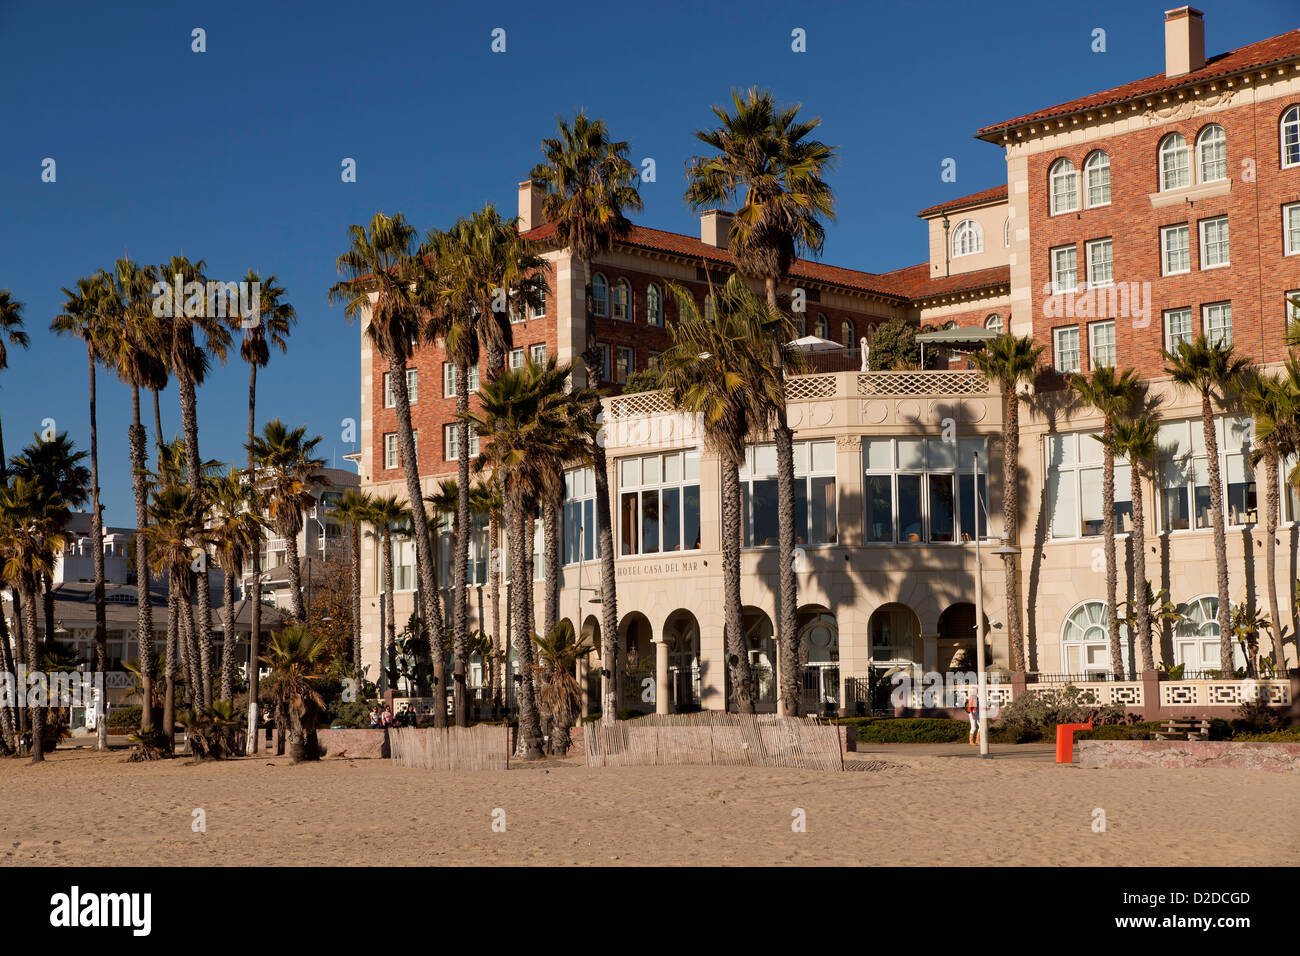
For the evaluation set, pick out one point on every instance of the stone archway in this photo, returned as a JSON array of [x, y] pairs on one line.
[[819, 659], [682, 643]]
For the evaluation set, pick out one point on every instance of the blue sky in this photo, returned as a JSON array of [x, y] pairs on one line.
[[233, 155]]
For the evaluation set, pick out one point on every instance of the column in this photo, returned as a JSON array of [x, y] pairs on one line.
[[661, 677]]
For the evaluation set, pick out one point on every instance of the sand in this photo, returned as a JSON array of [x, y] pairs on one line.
[[911, 809]]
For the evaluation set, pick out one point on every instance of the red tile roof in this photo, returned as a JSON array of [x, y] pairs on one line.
[[916, 283], [992, 194], [1276, 49]]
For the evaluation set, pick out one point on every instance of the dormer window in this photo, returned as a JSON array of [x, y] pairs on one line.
[[967, 238]]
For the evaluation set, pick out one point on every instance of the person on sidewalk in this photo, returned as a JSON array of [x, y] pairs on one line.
[[973, 712]]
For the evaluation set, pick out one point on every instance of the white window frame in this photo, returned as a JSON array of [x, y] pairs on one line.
[[967, 239], [1221, 222], [619, 351], [1097, 330], [1289, 136], [959, 467], [688, 476], [1175, 163], [1068, 457], [412, 388], [599, 303], [1055, 253], [1291, 229], [539, 311], [1220, 331], [1097, 164], [516, 360], [1058, 352], [1234, 435], [1063, 186], [1177, 228], [1212, 137], [537, 353], [392, 453], [451, 441], [1187, 335], [804, 475], [1092, 247], [579, 513], [1096, 615], [621, 285], [994, 323]]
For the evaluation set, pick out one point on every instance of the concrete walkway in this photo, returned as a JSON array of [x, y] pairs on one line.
[[1042, 753]]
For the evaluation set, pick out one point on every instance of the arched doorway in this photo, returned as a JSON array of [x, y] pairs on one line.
[[760, 644], [894, 634], [957, 651], [819, 655], [638, 664], [591, 681], [682, 635]]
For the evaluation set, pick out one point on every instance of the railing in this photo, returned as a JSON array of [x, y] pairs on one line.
[[922, 383]]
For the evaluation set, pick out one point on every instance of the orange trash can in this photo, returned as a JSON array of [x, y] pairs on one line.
[[1065, 740]]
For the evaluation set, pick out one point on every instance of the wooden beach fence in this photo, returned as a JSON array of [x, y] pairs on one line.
[[757, 740], [481, 747]]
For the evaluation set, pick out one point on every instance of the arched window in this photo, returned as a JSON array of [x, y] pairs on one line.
[[848, 335], [1212, 154], [967, 238], [599, 295], [1085, 640], [821, 328], [1096, 175], [1064, 186], [1291, 137], [654, 305], [1196, 636], [623, 300], [994, 323], [1174, 171]]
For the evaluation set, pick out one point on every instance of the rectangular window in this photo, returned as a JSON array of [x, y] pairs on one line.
[[1065, 269], [581, 540], [1291, 229], [1175, 249], [1185, 474], [1067, 348], [1075, 487], [449, 379], [390, 450], [1291, 306], [538, 354], [1101, 268], [622, 364], [1178, 328], [451, 442], [815, 505], [538, 310], [412, 388], [605, 364], [1217, 319], [917, 490], [516, 358], [1214, 242], [1101, 344], [659, 503]]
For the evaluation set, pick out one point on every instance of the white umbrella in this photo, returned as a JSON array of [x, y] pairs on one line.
[[813, 343]]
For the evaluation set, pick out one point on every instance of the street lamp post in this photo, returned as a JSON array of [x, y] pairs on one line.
[[981, 674]]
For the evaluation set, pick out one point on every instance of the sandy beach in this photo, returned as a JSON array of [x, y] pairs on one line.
[[915, 809]]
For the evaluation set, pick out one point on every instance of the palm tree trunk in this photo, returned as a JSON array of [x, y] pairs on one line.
[[1108, 532], [1139, 591], [424, 566], [47, 600], [297, 737], [354, 548], [33, 659], [460, 564], [203, 633], [97, 541], [1011, 520], [294, 565], [1226, 669], [550, 533], [169, 665], [8, 718], [529, 736], [188, 637], [20, 646], [157, 426], [137, 439], [230, 640], [494, 592], [255, 594], [737, 653], [390, 639], [1272, 503]]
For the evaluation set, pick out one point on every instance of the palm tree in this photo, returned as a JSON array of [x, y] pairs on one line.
[[1135, 440], [31, 522], [762, 151], [1010, 361], [589, 188], [1112, 394], [189, 363], [89, 314], [522, 411], [558, 691], [380, 262], [353, 509], [485, 499], [11, 329], [135, 360], [233, 532], [271, 326], [1274, 403], [719, 368], [298, 659], [1210, 370], [387, 513], [289, 470]]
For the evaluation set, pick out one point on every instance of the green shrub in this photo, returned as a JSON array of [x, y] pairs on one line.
[[1288, 735], [646, 380], [124, 718], [1034, 714]]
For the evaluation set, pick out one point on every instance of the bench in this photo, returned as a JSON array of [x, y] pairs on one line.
[[1193, 728]]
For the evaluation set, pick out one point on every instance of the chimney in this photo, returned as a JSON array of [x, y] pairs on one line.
[[715, 227], [530, 205], [1184, 41]]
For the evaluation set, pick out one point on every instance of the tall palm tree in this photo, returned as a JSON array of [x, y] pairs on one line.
[[558, 690], [719, 368], [233, 533], [589, 186], [1274, 403], [1112, 394], [1010, 361], [31, 523], [485, 501], [386, 514], [269, 327], [380, 262], [89, 313], [285, 458], [135, 359], [1135, 440], [1212, 370], [11, 333], [763, 152], [353, 509], [297, 658], [522, 412], [196, 334]]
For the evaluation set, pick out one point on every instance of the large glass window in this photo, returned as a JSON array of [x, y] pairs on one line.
[[581, 534], [1185, 475], [449, 379], [659, 503], [478, 549], [1085, 640], [1291, 229], [1075, 487], [815, 506], [922, 489]]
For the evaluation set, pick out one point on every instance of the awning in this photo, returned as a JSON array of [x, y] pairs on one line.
[[968, 335], [813, 343]]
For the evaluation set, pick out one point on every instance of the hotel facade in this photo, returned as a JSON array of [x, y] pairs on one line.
[[1129, 219]]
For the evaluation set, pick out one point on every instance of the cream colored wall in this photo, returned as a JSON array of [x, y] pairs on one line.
[[990, 218]]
